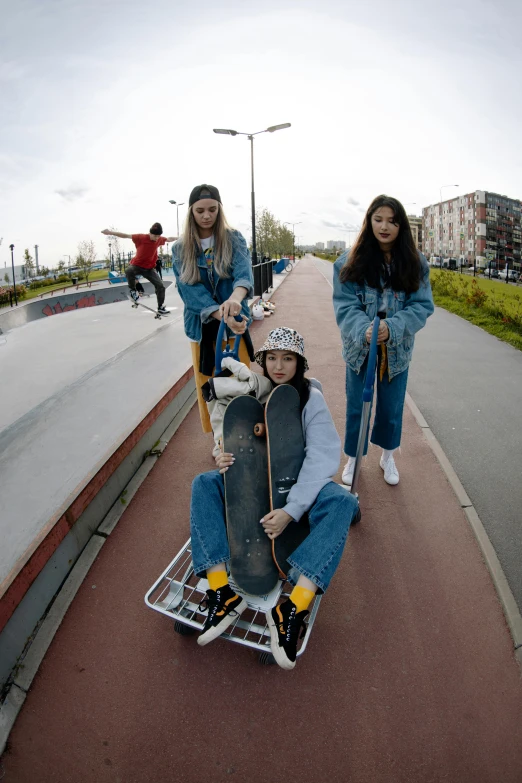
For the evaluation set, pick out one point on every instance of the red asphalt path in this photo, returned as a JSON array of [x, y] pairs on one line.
[[409, 674]]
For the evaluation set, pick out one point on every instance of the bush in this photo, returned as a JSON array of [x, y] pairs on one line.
[[477, 296], [63, 279]]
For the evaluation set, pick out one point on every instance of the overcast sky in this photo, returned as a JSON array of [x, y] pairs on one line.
[[108, 106]]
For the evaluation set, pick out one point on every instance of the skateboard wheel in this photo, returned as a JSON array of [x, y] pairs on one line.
[[266, 659], [182, 629], [260, 430]]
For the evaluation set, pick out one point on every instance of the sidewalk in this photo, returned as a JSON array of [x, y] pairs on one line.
[[409, 674]]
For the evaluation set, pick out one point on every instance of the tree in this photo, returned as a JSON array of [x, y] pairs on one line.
[[44, 270], [61, 267], [28, 263], [7, 278], [271, 236], [86, 257]]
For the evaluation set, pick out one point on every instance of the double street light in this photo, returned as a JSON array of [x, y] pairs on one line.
[[287, 223], [14, 281], [250, 136], [178, 205]]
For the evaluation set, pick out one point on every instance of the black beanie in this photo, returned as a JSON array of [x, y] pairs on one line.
[[156, 229], [204, 191]]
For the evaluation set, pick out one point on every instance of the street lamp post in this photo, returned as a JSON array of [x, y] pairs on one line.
[[110, 257], [250, 137], [440, 193], [287, 223], [177, 212], [14, 281]]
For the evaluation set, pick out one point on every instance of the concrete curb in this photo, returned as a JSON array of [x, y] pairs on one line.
[[507, 600]]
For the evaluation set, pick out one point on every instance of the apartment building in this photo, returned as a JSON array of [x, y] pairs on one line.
[[416, 229], [337, 244], [478, 227], [319, 245]]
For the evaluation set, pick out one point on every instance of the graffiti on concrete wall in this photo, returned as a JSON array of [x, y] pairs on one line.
[[89, 300]]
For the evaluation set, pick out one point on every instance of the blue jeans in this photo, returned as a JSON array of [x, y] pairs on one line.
[[387, 426], [316, 558]]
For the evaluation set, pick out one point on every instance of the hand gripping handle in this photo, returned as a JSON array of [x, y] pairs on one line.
[[220, 353], [372, 360]]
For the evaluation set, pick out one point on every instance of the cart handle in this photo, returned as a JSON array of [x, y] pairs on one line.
[[372, 360], [222, 354]]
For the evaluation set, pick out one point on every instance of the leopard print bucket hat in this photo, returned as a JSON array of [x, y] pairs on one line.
[[282, 339]]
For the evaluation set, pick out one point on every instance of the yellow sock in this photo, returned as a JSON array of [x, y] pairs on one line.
[[217, 579], [301, 597]]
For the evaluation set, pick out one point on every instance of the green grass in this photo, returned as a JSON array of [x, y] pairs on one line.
[[507, 332], [495, 286], [493, 306], [99, 274]]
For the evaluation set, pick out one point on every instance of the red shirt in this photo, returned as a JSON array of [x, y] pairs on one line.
[[146, 250]]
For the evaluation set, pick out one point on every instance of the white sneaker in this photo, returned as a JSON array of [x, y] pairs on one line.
[[391, 474], [349, 468]]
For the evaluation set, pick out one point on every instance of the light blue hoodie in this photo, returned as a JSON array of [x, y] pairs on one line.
[[322, 453]]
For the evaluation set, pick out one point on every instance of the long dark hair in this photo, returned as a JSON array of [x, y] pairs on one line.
[[299, 381], [366, 259]]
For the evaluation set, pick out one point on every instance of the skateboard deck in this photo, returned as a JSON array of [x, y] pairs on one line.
[[247, 498], [286, 453]]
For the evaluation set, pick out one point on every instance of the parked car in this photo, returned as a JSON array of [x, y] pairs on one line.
[[494, 273], [512, 276], [435, 261]]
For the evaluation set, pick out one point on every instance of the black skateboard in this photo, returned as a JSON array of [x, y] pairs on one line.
[[247, 497], [157, 315], [286, 453]]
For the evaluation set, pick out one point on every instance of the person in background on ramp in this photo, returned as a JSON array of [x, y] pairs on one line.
[[144, 262], [383, 275]]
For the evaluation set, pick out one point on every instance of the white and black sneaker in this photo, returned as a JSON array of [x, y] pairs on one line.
[[163, 310], [286, 626], [224, 606], [135, 296]]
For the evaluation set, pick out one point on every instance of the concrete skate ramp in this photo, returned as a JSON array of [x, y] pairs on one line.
[[63, 303]]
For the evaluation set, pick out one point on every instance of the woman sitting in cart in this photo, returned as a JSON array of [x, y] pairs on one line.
[[330, 507]]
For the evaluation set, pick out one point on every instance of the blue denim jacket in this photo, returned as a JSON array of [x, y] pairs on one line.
[[356, 306], [202, 299]]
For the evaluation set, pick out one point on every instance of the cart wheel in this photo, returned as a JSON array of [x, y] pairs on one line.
[[266, 659], [182, 629], [357, 517]]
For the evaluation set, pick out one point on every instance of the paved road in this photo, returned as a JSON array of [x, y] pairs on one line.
[[409, 676], [468, 385]]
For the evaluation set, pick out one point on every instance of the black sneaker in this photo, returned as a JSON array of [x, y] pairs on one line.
[[135, 296], [224, 606], [163, 310], [286, 626]]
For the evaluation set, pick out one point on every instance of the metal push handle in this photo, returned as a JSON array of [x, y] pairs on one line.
[[367, 402], [372, 360], [222, 354]]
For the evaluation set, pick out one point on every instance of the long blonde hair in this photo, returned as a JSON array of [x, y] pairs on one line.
[[191, 248]]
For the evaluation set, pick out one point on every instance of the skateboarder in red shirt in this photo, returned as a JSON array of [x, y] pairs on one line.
[[144, 262]]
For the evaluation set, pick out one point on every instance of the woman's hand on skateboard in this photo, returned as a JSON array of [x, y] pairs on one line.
[[224, 461], [275, 522]]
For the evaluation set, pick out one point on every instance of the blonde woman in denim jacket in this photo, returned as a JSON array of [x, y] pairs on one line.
[[383, 274], [213, 270]]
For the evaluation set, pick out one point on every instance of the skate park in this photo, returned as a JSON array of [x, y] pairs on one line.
[[413, 658]]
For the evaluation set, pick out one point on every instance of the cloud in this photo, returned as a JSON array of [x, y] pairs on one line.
[[340, 226], [353, 201], [72, 193]]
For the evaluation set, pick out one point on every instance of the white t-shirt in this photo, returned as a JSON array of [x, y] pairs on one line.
[[207, 243]]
